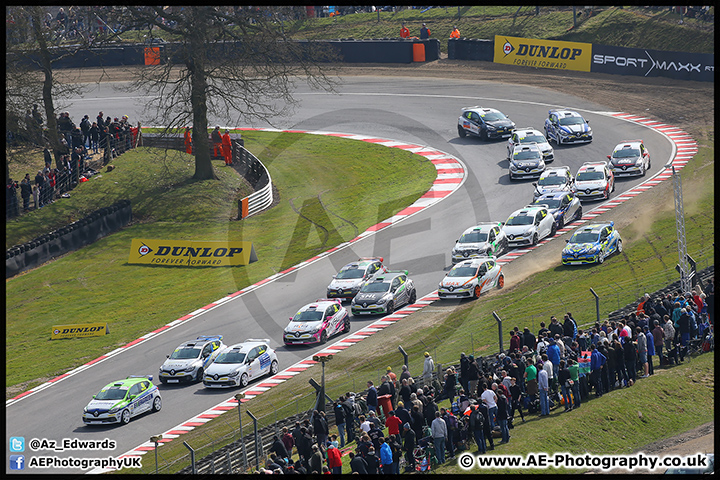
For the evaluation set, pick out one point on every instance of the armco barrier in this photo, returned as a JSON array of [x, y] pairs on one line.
[[247, 164], [85, 231]]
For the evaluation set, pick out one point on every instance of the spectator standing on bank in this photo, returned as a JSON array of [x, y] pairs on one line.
[[439, 435], [489, 398], [386, 457], [227, 148], [502, 416], [188, 140], [473, 376], [455, 33], [216, 137], [544, 389], [477, 428], [339, 412], [650, 349], [334, 460], [85, 129], [371, 398], [428, 369], [40, 184], [26, 191], [94, 133], [574, 370], [409, 439], [404, 32], [597, 360], [424, 32]]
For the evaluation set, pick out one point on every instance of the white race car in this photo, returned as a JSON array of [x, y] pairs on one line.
[[238, 364], [593, 180], [529, 225], [483, 240], [348, 281], [471, 278], [630, 157], [555, 179], [530, 135], [316, 322]]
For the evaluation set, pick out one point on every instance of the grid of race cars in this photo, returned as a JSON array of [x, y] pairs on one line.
[[372, 289]]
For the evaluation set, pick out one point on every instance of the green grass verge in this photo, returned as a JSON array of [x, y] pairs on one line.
[[96, 282], [634, 27]]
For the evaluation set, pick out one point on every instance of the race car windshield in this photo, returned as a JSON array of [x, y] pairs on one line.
[[231, 357], [473, 237], [550, 202], [527, 155], [584, 237], [585, 176], [350, 273], [572, 121], [376, 287], [554, 180], [185, 353], [626, 153], [520, 220], [493, 117], [533, 138], [111, 394], [462, 272], [308, 316]]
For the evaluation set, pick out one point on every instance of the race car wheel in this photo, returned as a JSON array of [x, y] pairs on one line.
[[461, 132], [483, 135], [157, 404], [476, 292], [413, 297], [619, 246], [323, 337], [643, 171], [163, 381], [390, 308], [579, 213], [553, 229], [501, 281], [198, 377], [125, 417], [613, 189], [561, 222], [273, 368], [600, 258], [346, 326], [244, 380], [535, 239]]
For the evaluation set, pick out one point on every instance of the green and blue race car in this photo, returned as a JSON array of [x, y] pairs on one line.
[[119, 401]]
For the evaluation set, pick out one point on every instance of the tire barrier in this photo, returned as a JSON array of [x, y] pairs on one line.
[[93, 227]]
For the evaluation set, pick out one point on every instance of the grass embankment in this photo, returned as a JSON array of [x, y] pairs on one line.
[[634, 27], [96, 282]]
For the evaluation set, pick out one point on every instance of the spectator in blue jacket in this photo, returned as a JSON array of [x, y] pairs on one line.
[[386, 457], [597, 360], [553, 353]]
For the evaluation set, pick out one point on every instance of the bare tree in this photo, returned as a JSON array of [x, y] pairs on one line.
[[34, 46], [236, 63]]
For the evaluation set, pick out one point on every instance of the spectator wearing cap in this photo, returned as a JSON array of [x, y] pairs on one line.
[[428, 369], [405, 374], [409, 439], [424, 32]]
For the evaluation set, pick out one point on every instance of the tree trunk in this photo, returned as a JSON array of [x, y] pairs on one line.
[[52, 131], [198, 99]]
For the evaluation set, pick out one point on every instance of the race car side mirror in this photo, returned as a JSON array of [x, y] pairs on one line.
[[608, 157], [567, 241], [167, 356]]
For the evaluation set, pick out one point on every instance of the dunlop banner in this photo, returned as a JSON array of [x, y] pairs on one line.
[[79, 331], [191, 254], [555, 54]]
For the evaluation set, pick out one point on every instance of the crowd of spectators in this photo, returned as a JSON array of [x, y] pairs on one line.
[[71, 163], [559, 366]]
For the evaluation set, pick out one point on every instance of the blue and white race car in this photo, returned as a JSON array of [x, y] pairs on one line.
[[119, 401], [566, 126], [565, 207], [238, 364], [316, 322], [190, 359], [592, 244]]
